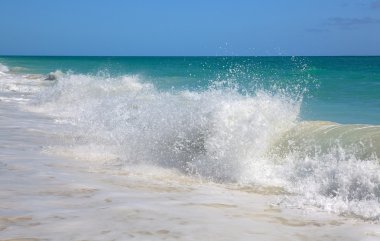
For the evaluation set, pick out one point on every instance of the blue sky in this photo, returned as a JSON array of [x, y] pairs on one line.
[[192, 27]]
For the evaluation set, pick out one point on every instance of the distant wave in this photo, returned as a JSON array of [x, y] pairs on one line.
[[3, 69]]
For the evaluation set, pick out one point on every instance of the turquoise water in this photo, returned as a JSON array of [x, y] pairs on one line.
[[338, 89]]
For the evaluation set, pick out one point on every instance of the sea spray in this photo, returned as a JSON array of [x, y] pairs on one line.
[[212, 133]]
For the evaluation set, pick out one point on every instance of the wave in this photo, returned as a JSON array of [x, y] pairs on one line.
[[3, 69], [13, 82], [221, 135], [333, 166]]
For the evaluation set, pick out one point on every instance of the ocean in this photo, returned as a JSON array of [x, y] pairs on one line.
[[190, 148]]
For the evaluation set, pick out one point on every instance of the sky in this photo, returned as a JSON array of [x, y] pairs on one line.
[[189, 27]]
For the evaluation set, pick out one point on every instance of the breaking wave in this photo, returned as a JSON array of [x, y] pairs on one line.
[[221, 135]]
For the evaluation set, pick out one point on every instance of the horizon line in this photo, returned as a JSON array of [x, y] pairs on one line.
[[181, 56]]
